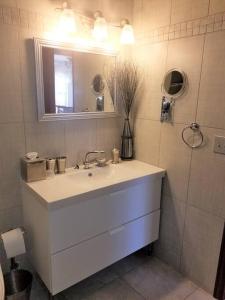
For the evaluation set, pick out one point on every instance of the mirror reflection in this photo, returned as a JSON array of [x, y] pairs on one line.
[[73, 82], [174, 83]]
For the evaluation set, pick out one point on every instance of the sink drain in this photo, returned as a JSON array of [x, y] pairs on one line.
[[90, 174]]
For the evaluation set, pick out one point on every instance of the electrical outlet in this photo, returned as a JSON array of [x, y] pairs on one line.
[[219, 145]]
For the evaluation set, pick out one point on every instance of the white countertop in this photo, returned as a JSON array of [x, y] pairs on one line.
[[77, 182]]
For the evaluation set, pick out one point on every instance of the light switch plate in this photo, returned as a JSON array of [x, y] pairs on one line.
[[219, 144]]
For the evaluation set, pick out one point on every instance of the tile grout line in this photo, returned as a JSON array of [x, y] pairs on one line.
[[191, 158]]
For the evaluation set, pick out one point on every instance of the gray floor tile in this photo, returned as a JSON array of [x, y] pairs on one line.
[[156, 281], [116, 290], [200, 295], [84, 288], [130, 262]]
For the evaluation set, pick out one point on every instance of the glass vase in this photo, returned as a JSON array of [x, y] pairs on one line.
[[127, 151]]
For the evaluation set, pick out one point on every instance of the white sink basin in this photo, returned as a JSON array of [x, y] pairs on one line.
[[77, 182]]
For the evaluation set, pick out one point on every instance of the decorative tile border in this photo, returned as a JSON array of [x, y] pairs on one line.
[[195, 27]]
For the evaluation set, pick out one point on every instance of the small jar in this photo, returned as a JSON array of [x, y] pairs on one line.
[[115, 156]]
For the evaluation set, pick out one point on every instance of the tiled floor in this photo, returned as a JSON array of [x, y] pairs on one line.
[[134, 278]]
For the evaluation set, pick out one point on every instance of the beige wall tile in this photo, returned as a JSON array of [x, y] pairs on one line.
[[11, 3], [207, 180], [152, 62], [109, 133], [29, 107], [137, 15], [80, 137], [11, 150], [170, 241], [9, 37], [9, 71], [43, 5], [200, 295], [184, 10], [211, 105], [10, 193], [202, 238], [156, 13], [216, 6], [116, 10], [175, 157], [146, 141], [186, 54], [46, 138], [11, 109]]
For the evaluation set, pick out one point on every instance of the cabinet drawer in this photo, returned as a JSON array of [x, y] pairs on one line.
[[87, 218], [74, 264]]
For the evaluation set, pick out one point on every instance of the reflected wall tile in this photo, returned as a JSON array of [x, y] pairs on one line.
[[109, 134], [11, 150], [80, 137], [46, 138], [175, 157], [207, 179], [11, 108], [211, 105], [186, 54], [146, 140], [202, 239], [216, 6], [183, 10], [156, 13]]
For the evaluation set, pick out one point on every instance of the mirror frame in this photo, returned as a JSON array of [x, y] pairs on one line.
[[182, 90], [39, 43]]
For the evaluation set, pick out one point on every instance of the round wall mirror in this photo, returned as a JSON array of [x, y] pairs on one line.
[[98, 84], [174, 83]]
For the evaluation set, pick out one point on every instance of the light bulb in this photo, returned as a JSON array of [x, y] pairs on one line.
[[100, 31], [67, 23], [127, 35]]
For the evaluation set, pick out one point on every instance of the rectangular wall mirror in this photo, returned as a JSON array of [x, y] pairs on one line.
[[71, 82]]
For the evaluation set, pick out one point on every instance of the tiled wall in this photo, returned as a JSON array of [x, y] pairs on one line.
[[21, 20], [190, 35]]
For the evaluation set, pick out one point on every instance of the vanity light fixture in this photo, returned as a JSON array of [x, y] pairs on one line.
[[67, 23], [100, 30], [127, 33]]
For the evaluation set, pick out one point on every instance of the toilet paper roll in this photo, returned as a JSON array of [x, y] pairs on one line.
[[13, 242]]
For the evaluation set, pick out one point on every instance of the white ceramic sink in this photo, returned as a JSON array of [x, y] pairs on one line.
[[77, 182]]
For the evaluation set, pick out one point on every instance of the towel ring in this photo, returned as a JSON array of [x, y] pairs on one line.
[[196, 128]]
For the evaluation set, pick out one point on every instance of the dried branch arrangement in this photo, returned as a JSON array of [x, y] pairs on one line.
[[126, 78]]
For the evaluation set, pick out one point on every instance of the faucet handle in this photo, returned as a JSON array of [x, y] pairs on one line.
[[76, 167]]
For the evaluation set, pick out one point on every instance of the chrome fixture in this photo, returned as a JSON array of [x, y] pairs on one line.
[[195, 127], [166, 109], [173, 86], [86, 162]]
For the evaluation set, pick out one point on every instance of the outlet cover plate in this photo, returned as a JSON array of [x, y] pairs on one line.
[[219, 144]]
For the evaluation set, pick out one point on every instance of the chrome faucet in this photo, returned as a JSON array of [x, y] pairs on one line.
[[86, 162]]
